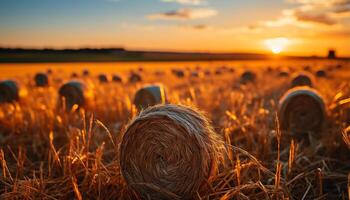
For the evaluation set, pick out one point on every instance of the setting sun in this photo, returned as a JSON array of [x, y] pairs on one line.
[[277, 45]]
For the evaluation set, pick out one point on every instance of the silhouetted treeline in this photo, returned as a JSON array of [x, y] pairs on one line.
[[120, 54]]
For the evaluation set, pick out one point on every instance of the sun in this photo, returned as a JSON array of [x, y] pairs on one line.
[[277, 45]]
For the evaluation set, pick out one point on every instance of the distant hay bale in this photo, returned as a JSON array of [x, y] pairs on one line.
[[9, 91], [117, 78], [307, 68], [247, 77], [75, 93], [86, 72], [207, 72], [49, 71], [41, 80], [321, 73], [179, 73], [150, 95], [135, 77], [103, 78], [74, 75], [195, 74], [302, 79], [283, 73], [302, 109], [169, 152]]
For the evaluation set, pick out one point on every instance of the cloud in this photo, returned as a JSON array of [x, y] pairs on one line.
[[186, 2], [199, 27], [184, 14], [320, 18]]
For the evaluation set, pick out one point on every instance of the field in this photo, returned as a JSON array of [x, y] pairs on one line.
[[47, 153]]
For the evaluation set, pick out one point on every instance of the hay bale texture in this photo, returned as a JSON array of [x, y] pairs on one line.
[[169, 152], [302, 109]]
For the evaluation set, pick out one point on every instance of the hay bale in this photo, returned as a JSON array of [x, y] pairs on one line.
[[179, 73], [302, 109], [302, 79], [103, 78], [9, 91], [135, 77], [41, 80], [195, 74], [49, 71], [247, 77], [74, 75], [283, 73], [75, 93], [117, 78], [86, 72], [169, 152], [321, 73], [150, 95]]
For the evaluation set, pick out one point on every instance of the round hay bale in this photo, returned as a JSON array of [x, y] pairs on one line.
[[218, 72], [103, 78], [247, 77], [307, 68], [86, 72], [321, 73], [49, 71], [301, 109], [179, 73], [117, 78], [9, 91], [283, 73], [150, 95], [75, 93], [195, 74], [302, 79], [74, 75], [41, 80], [207, 72], [134, 78], [169, 152]]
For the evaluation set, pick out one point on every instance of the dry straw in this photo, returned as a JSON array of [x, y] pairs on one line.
[[169, 152]]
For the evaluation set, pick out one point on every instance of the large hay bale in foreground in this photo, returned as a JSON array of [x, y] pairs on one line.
[[150, 95], [9, 91], [302, 109], [169, 152], [75, 93], [41, 80]]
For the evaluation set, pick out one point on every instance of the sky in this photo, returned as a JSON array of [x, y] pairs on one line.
[[291, 27]]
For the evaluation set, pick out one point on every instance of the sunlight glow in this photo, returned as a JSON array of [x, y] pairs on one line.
[[277, 45]]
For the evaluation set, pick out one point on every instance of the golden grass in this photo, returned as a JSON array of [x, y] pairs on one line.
[[47, 153]]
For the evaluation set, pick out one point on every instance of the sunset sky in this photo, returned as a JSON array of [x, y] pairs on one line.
[[295, 27]]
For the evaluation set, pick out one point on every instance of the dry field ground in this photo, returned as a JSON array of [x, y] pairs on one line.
[[47, 153]]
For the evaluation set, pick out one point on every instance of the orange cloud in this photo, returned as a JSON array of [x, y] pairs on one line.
[[184, 14]]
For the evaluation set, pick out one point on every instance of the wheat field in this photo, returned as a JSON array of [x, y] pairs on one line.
[[48, 153]]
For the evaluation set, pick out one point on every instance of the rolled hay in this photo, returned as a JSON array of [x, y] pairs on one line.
[[86, 72], [117, 78], [103, 78], [283, 73], [74, 75], [321, 73], [178, 73], [195, 74], [302, 79], [135, 77], [150, 95], [41, 80], [301, 109], [247, 77], [10, 91], [170, 152], [75, 93]]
